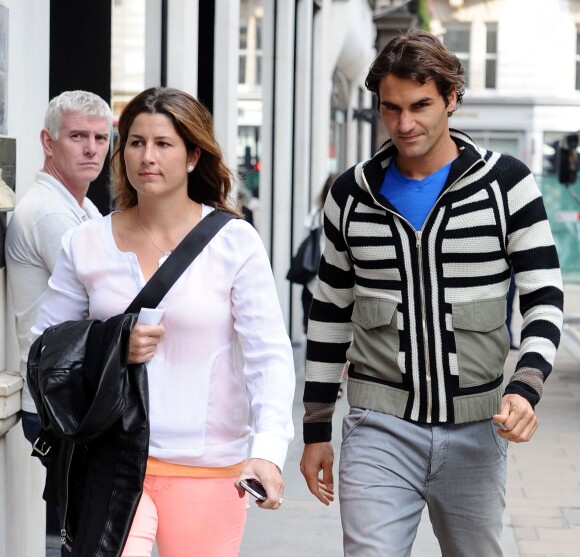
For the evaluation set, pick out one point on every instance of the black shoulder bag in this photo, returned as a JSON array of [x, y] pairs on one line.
[[304, 265]]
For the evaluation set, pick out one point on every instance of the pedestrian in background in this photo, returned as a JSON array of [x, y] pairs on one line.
[[170, 175], [421, 241], [75, 140], [243, 197], [314, 220]]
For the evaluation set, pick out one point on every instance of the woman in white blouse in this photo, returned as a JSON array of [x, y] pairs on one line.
[[170, 175]]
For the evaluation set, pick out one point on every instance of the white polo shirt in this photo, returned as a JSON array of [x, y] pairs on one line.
[[33, 243]]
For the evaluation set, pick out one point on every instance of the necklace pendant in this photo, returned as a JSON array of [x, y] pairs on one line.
[[164, 257], [166, 254]]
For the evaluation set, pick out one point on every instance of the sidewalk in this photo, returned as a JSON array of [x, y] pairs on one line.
[[306, 527], [543, 489], [542, 517]]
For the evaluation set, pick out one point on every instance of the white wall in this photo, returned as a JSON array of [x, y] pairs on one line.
[[27, 85], [182, 45], [302, 139], [22, 477], [324, 61], [227, 39], [277, 142]]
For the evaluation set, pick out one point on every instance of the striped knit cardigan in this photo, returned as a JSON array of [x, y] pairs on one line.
[[420, 315]]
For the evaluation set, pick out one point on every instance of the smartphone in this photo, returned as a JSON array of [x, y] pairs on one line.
[[255, 488]]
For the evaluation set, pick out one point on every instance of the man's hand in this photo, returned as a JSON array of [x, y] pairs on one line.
[[317, 457], [517, 417]]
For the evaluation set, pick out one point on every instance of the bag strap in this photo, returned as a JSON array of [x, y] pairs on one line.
[[179, 260]]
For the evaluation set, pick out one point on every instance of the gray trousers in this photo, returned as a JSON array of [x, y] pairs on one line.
[[391, 468]]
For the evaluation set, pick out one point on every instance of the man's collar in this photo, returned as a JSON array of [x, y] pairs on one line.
[[43, 177], [469, 154]]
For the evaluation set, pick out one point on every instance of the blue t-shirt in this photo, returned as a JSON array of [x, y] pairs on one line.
[[413, 198]]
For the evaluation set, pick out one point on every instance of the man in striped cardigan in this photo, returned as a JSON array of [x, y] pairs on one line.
[[421, 241]]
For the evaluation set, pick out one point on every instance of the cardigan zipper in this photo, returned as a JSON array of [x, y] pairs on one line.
[[424, 327], [418, 245], [419, 237]]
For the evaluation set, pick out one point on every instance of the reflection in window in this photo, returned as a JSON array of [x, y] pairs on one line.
[[500, 142], [243, 34], [549, 152], [127, 52], [242, 69], [250, 72], [578, 60], [491, 57], [338, 113], [457, 40], [249, 147], [359, 126]]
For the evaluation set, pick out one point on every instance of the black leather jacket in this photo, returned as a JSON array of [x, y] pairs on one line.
[[95, 406]]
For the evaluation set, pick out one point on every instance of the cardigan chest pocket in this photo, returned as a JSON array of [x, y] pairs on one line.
[[481, 340], [375, 346]]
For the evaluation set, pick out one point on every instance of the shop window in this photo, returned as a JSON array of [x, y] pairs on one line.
[[250, 52], [578, 59]]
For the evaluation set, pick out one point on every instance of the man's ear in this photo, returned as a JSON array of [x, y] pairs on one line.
[[46, 141], [452, 101]]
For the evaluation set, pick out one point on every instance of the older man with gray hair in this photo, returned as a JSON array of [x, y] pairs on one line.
[[75, 140]]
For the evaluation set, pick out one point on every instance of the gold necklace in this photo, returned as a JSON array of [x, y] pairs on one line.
[[166, 254]]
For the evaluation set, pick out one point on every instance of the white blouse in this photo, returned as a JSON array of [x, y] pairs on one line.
[[224, 343]]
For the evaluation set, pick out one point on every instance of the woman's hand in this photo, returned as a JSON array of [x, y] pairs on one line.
[[269, 476], [142, 342]]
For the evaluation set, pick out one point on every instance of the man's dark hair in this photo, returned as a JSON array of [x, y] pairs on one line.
[[418, 55]]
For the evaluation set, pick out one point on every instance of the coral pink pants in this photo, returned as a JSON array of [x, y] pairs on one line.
[[189, 517]]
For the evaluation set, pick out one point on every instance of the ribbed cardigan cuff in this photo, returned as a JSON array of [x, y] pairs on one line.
[[519, 388], [317, 432]]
